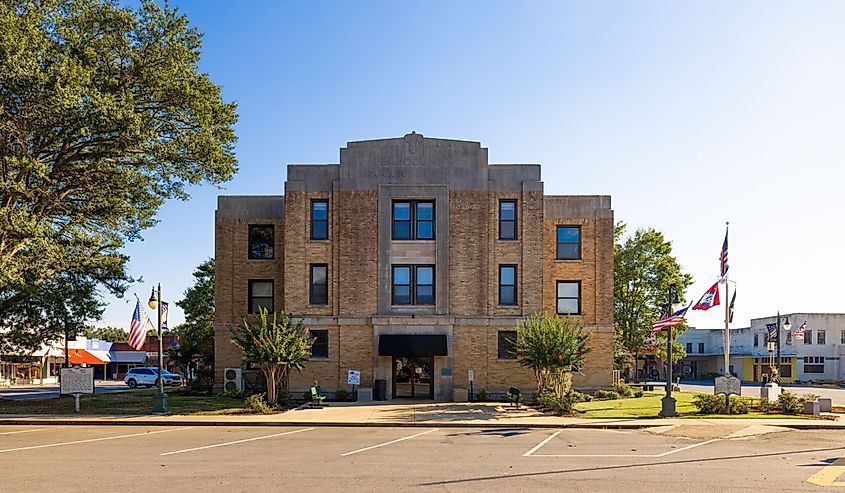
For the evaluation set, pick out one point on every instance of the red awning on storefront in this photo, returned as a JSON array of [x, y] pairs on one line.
[[83, 357]]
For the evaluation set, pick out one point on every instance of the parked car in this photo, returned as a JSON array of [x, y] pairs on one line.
[[148, 377]]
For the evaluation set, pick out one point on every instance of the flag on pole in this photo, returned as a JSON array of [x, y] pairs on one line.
[[731, 308], [676, 318], [164, 315], [137, 328], [799, 332], [709, 299], [773, 330], [723, 258]]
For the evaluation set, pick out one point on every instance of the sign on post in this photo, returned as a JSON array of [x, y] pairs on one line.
[[728, 386], [353, 377], [76, 381]]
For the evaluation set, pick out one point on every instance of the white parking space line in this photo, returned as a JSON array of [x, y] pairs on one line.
[[236, 442], [540, 445], [531, 453], [664, 454], [74, 442], [23, 431], [387, 443]]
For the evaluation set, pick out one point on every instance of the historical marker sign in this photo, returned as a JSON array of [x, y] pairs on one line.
[[77, 381], [728, 386]]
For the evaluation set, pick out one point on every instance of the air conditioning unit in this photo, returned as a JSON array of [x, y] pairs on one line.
[[233, 379]]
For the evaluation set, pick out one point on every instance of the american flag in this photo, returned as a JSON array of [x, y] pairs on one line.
[[138, 327], [676, 318], [723, 259], [799, 332]]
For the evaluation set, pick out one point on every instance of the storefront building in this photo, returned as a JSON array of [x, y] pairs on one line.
[[412, 260]]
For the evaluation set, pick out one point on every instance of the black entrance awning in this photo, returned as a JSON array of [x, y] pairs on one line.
[[412, 345]]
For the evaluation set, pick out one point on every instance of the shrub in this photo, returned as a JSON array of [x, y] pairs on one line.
[[235, 394], [715, 404], [624, 390], [547, 400], [579, 397], [789, 403], [342, 395], [257, 404], [482, 396], [606, 394], [638, 393]]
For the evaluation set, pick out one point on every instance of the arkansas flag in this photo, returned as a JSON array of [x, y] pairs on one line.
[[709, 300]]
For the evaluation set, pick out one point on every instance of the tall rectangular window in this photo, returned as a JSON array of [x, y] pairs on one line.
[[568, 243], [507, 219], [413, 220], [424, 285], [700, 347], [756, 340], [320, 348], [319, 290], [842, 337], [401, 285], [507, 285], [412, 285], [320, 219], [808, 336], [261, 241], [569, 297], [260, 295], [821, 337], [689, 348], [507, 344]]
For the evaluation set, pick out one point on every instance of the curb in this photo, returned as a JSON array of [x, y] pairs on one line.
[[341, 424]]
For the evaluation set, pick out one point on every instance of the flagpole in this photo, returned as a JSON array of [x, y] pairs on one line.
[[727, 337]]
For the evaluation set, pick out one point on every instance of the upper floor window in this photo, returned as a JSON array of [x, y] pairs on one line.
[[569, 297], [413, 220], [808, 336], [756, 340], [412, 285], [260, 295], [689, 348], [320, 348], [568, 243], [700, 347], [821, 337], [319, 287], [507, 285], [507, 344], [261, 241], [320, 219], [842, 337], [507, 219]]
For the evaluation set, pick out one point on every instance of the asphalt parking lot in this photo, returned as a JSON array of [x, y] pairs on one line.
[[136, 458]]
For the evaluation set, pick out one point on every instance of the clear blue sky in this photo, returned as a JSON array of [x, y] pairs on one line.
[[689, 114]]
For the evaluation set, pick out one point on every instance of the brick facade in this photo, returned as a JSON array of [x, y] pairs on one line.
[[465, 253]]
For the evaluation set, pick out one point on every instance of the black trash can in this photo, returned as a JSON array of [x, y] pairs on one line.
[[380, 390]]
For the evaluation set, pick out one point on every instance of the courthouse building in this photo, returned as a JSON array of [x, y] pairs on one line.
[[412, 260]]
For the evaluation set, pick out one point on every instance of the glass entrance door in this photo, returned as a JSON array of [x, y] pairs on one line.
[[412, 377]]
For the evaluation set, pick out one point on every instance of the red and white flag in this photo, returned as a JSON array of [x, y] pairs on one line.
[[709, 300], [799, 332], [138, 327]]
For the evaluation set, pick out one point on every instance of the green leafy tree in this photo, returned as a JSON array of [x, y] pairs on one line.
[[554, 348], [111, 334], [196, 335], [276, 345], [104, 115], [644, 269]]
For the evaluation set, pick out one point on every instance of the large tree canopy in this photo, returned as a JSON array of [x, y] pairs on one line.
[[196, 335], [644, 269], [104, 115]]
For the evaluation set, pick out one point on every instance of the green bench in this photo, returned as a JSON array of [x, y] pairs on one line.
[[317, 397]]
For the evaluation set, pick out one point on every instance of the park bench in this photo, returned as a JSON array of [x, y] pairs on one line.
[[644, 386], [317, 397], [514, 396]]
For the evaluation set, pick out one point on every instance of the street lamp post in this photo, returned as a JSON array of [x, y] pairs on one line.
[[160, 398], [786, 326], [668, 402]]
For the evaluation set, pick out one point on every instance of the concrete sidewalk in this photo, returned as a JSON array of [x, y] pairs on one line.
[[416, 414]]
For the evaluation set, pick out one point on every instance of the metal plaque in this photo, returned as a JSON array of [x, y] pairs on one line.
[[728, 385], [77, 381]]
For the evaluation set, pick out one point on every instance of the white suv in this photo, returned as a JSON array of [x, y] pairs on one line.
[[148, 377]]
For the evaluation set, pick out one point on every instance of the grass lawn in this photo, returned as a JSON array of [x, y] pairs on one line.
[[649, 406], [125, 403]]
